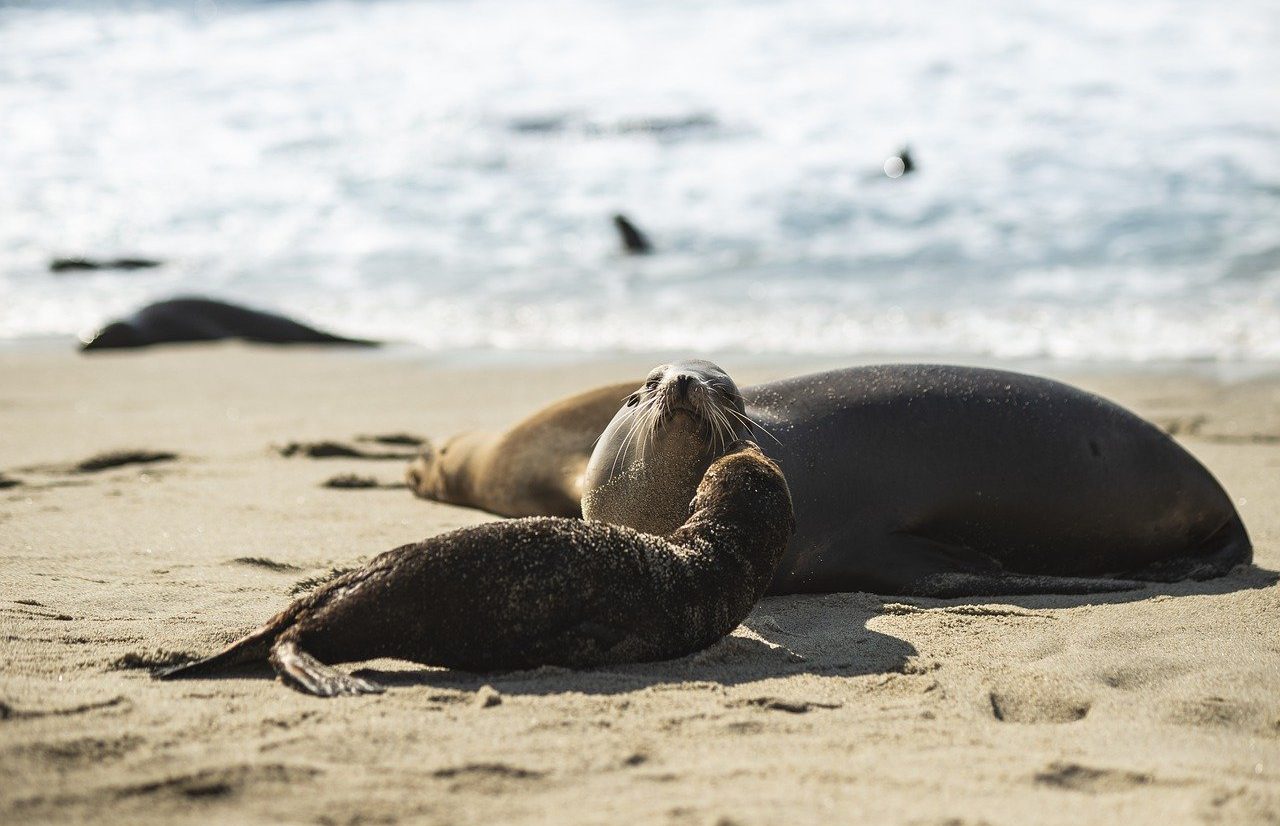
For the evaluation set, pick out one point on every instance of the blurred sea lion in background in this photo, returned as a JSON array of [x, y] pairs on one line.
[[203, 319], [64, 265], [633, 240], [533, 469]]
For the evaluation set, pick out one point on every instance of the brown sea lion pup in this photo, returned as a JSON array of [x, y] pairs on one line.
[[539, 591], [533, 469]]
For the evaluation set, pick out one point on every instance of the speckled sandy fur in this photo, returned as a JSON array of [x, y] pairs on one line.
[[541, 591]]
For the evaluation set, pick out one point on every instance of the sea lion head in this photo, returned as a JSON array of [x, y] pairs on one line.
[[648, 462], [444, 474], [115, 334]]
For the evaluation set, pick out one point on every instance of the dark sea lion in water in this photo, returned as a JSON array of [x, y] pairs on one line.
[[65, 265], [539, 591], [929, 480], [633, 240], [203, 319], [533, 469]]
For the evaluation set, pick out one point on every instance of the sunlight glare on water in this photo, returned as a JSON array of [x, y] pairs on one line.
[[1093, 181]]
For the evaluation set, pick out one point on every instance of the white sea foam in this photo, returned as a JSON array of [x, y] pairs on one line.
[[1094, 181]]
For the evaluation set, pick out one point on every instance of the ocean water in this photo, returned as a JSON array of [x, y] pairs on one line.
[[1096, 180]]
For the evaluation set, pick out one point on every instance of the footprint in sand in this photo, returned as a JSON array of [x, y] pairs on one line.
[[339, 450], [1219, 712], [352, 481], [265, 563], [153, 660], [84, 751], [782, 704], [1037, 704], [1078, 778], [488, 778], [121, 458]]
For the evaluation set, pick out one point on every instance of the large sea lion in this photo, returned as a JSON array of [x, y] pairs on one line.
[[929, 480], [539, 591], [203, 319]]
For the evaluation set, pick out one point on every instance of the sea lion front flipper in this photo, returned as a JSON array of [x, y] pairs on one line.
[[951, 571], [303, 672]]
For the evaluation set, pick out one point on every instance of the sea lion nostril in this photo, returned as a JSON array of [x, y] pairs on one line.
[[682, 384]]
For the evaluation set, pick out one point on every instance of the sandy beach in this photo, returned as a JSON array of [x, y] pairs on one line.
[[1157, 706]]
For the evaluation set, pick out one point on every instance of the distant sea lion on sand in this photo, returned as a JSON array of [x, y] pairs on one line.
[[541, 591], [533, 469], [925, 479], [64, 265], [203, 319]]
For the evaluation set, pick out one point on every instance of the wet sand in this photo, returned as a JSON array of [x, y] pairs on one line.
[[1157, 706]]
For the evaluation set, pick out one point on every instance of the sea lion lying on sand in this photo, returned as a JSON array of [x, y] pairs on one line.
[[539, 591], [203, 319], [907, 479]]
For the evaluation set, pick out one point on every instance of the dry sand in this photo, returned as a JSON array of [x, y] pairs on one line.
[[1159, 706]]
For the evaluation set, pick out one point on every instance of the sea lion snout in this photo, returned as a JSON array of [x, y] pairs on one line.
[[420, 472]]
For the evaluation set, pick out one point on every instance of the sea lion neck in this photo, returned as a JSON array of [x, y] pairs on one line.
[[742, 503]]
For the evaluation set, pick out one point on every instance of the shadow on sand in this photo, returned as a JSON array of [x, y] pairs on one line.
[[821, 634]]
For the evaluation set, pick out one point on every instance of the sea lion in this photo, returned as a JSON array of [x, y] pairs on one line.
[[203, 319], [533, 469], [539, 591], [928, 479], [634, 241], [78, 264]]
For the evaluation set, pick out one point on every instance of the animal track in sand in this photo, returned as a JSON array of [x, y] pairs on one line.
[[264, 562], [121, 458], [84, 750], [216, 782], [1040, 704], [1219, 712], [8, 712], [352, 481], [399, 439], [1078, 778], [337, 450], [488, 778], [782, 704], [152, 660]]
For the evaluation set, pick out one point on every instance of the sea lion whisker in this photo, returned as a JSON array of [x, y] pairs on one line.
[[627, 412], [721, 428], [636, 424], [750, 422], [634, 417]]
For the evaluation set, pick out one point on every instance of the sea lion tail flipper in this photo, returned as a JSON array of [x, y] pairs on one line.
[[253, 648], [303, 672]]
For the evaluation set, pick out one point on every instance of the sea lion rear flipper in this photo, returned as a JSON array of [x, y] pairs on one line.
[[951, 571], [303, 672], [249, 649]]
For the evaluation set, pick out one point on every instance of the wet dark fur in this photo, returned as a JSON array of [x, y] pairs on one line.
[[203, 319], [539, 591]]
